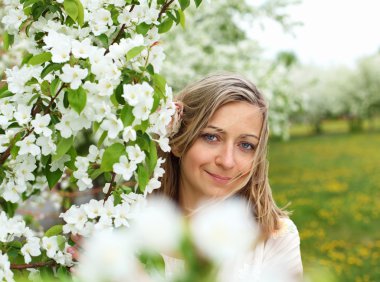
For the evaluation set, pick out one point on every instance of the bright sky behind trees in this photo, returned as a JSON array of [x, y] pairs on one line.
[[334, 31]]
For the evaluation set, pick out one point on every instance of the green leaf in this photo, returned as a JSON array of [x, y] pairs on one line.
[[96, 173], [26, 58], [182, 18], [114, 100], [52, 176], [61, 242], [134, 52], [184, 4], [152, 155], [143, 141], [54, 230], [40, 59], [142, 177], [8, 207], [126, 115], [50, 68], [159, 84], [4, 92], [197, 2], [103, 39], [102, 138], [73, 155], [165, 25], [54, 86], [29, 3], [143, 28], [63, 146], [14, 151], [77, 99], [143, 126], [71, 8], [111, 156], [80, 12], [45, 88], [118, 94], [7, 40], [95, 126]]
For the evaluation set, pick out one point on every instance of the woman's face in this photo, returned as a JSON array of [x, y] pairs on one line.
[[218, 163]]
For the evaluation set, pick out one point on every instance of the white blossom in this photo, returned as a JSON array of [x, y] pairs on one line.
[[224, 229], [50, 245], [31, 248], [73, 75], [81, 49], [113, 125], [40, 124], [162, 219], [108, 256], [47, 145], [28, 146], [129, 134], [125, 167], [23, 114], [13, 19], [135, 153], [93, 208]]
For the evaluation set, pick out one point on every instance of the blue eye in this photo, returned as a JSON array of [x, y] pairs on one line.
[[209, 137], [247, 146]]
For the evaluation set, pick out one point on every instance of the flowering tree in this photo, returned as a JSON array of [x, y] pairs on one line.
[[334, 92], [91, 69]]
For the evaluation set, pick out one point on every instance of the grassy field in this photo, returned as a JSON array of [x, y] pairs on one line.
[[333, 185]]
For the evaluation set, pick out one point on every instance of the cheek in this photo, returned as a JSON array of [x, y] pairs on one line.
[[196, 156]]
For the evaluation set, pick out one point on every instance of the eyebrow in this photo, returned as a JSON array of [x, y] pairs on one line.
[[222, 131]]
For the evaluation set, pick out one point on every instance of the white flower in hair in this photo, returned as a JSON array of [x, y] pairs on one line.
[[175, 124]]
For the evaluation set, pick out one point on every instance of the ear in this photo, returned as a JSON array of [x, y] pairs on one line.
[[175, 151]]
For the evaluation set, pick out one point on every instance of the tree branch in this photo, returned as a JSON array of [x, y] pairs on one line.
[[117, 38], [33, 265], [47, 110], [111, 187], [164, 8], [7, 152]]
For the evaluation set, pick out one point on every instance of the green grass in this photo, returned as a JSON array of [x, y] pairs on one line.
[[333, 184]]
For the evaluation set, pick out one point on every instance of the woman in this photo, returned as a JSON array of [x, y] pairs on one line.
[[219, 151]]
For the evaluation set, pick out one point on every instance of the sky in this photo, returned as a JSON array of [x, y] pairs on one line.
[[333, 31]]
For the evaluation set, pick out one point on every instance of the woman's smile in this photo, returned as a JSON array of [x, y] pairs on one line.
[[218, 178]]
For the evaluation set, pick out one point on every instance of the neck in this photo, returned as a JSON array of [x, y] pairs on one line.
[[188, 202]]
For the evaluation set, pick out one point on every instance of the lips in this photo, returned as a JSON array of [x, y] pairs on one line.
[[219, 178]]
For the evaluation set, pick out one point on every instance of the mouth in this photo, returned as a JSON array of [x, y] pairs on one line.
[[218, 178]]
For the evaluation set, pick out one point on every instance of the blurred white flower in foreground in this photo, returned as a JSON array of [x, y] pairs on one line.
[[223, 230], [108, 256], [159, 227]]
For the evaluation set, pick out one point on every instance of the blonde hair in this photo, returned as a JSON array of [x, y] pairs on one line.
[[201, 99]]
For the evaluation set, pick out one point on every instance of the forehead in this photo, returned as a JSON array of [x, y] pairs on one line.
[[239, 116]]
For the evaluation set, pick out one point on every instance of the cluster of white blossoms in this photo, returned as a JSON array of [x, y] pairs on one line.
[[95, 76], [91, 68], [15, 228]]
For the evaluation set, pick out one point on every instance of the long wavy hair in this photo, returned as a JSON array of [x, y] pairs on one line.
[[201, 99]]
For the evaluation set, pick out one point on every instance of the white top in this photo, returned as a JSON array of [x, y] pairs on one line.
[[277, 259]]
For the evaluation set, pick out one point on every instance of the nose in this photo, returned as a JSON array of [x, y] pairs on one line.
[[226, 156]]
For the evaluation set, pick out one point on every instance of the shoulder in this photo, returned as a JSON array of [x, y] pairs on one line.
[[285, 242], [282, 251], [287, 229]]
